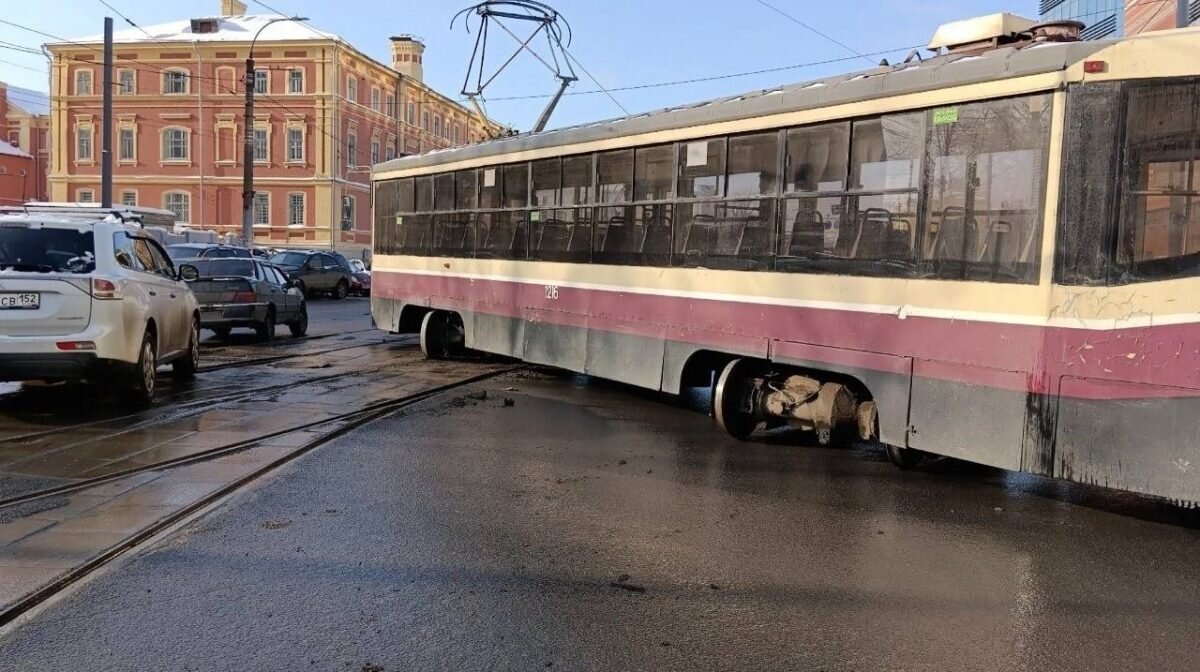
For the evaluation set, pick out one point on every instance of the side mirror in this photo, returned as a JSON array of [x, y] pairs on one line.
[[188, 273]]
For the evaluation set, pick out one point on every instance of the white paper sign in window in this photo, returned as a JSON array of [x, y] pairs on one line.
[[697, 154], [489, 177]]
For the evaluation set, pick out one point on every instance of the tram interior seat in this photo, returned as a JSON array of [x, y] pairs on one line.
[[808, 234], [553, 235], [413, 236], [657, 238], [452, 235], [616, 235]]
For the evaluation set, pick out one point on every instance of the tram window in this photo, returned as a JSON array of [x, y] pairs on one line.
[[1160, 223], [443, 191], [465, 195], [561, 235], [453, 235], [489, 187], [808, 232], [734, 235], [633, 235], [817, 158], [546, 180], [516, 186], [406, 196], [701, 169], [386, 193], [501, 235], [424, 193], [576, 180], [753, 165], [987, 171], [653, 173], [886, 152], [614, 176], [413, 235]]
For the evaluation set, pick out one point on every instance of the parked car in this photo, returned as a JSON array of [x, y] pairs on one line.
[[235, 293], [316, 272], [362, 278], [90, 297], [186, 251]]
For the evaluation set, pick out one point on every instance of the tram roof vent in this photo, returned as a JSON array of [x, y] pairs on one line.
[[981, 33]]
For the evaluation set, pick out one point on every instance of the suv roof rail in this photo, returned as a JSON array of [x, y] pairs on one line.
[[123, 215]]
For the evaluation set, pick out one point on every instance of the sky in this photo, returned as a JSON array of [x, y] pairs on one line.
[[621, 43]]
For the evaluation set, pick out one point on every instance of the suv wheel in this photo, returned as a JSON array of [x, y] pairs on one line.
[[185, 367], [139, 389], [341, 290], [299, 326], [266, 330]]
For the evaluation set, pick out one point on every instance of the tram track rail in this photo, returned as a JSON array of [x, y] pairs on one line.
[[347, 422]]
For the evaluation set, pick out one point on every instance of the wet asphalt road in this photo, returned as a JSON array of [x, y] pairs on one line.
[[592, 527]]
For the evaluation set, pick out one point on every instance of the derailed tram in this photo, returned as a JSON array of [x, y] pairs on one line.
[[991, 254]]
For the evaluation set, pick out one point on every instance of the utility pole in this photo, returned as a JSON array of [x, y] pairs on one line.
[[106, 132], [248, 155], [1181, 13]]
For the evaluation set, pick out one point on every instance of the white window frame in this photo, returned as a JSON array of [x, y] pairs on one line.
[[262, 75], [375, 151], [261, 206], [121, 89], [376, 99], [80, 193], [410, 116], [127, 192], [88, 90], [265, 130], [80, 131], [187, 145], [132, 158], [292, 80], [352, 88], [426, 123], [187, 205], [290, 158], [187, 81], [437, 126], [351, 149], [292, 223], [390, 151], [389, 101]]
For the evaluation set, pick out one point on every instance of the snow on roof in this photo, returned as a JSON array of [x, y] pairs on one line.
[[229, 29], [9, 150], [28, 100]]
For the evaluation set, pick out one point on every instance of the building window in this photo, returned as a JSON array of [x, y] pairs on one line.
[[391, 106], [85, 196], [83, 144], [425, 121], [295, 209], [454, 136], [128, 197], [260, 81], [412, 115], [295, 143], [126, 150], [83, 83], [175, 144], [374, 152], [262, 208], [347, 213], [375, 99], [262, 149], [127, 82], [351, 150], [352, 89], [179, 203], [437, 126], [391, 148], [175, 82], [295, 81]]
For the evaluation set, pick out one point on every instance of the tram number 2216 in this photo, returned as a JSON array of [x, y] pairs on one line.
[[552, 292]]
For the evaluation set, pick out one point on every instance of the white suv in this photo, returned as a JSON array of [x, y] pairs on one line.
[[94, 298]]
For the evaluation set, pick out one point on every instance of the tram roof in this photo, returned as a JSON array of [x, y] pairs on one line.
[[937, 72]]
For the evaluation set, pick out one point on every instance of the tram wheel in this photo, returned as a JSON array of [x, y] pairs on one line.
[[435, 328], [729, 398], [904, 458]]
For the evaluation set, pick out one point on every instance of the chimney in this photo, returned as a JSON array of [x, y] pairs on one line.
[[233, 8], [408, 51]]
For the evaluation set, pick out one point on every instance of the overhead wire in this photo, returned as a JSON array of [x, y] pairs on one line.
[[811, 29]]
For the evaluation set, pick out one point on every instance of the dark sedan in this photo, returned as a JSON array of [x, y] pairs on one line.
[[236, 293], [316, 272], [186, 251]]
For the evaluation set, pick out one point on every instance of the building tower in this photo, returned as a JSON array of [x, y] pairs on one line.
[[408, 51]]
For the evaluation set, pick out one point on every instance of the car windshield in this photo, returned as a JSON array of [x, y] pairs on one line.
[[289, 258], [47, 250], [227, 253], [185, 251], [217, 268]]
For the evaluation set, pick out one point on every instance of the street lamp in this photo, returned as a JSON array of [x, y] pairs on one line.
[[248, 137]]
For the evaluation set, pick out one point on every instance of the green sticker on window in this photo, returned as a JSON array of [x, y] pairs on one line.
[[945, 115], [399, 220], [535, 216]]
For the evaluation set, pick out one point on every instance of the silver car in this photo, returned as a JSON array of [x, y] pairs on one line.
[[237, 293]]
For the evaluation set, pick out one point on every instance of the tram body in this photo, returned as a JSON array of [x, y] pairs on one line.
[[999, 251]]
